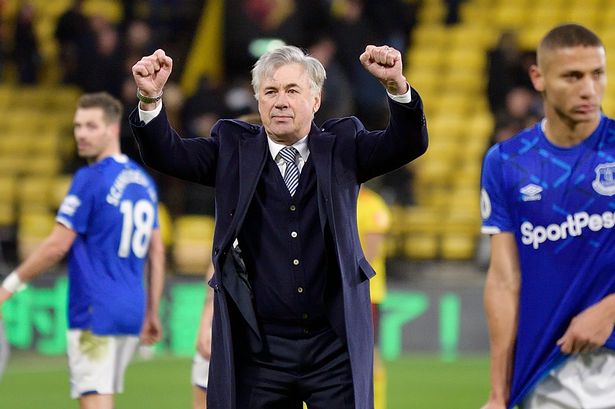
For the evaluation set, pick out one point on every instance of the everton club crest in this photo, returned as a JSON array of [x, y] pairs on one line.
[[605, 179]]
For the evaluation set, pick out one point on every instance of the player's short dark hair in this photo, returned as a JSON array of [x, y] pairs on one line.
[[570, 35], [112, 107]]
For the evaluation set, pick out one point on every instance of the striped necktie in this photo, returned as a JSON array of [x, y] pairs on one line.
[[291, 175]]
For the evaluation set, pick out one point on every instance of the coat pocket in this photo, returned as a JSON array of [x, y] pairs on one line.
[[366, 270], [213, 283]]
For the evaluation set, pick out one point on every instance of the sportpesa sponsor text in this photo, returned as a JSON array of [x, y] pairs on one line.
[[573, 226]]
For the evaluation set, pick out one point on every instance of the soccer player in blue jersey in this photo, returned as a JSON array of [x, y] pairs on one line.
[[108, 225], [548, 202]]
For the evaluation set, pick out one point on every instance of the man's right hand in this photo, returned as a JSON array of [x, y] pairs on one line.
[[152, 72]]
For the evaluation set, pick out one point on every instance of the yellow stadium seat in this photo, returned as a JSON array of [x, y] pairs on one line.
[[510, 15], [462, 226], [14, 143], [166, 224], [608, 38], [443, 128], [432, 12], [544, 15], [54, 8], [11, 164], [430, 36], [424, 79], [608, 105], [421, 219], [473, 148], [43, 166], [192, 242], [33, 193], [111, 10], [435, 172], [583, 13], [530, 37], [64, 98], [7, 199], [472, 35], [58, 189], [456, 246], [432, 57], [481, 126], [423, 246], [46, 145], [6, 96], [472, 58], [33, 228], [454, 103], [7, 214], [33, 98], [472, 13], [467, 81]]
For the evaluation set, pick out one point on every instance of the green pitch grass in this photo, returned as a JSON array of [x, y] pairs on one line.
[[414, 382]]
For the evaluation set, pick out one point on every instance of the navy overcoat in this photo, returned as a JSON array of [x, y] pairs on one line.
[[344, 155]]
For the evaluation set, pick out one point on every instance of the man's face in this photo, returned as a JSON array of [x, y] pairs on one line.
[[287, 104], [572, 81], [93, 134]]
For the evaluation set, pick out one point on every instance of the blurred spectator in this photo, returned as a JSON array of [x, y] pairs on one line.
[[522, 109], [507, 68], [127, 141], [251, 24], [335, 102], [202, 109], [239, 98], [107, 65], [452, 12], [174, 104], [77, 43], [25, 45], [397, 186], [352, 33], [3, 37], [138, 41], [394, 22]]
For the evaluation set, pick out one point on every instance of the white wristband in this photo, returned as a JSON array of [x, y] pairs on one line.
[[12, 283]]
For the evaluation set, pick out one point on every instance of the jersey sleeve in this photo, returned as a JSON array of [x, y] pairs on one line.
[[77, 205], [494, 208]]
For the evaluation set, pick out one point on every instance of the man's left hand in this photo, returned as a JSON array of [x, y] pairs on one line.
[[385, 63]]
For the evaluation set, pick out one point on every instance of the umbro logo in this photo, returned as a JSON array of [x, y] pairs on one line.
[[530, 193]]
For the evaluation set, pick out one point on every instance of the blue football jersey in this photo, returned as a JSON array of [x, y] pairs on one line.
[[559, 203], [112, 205]]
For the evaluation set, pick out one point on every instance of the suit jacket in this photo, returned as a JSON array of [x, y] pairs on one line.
[[344, 155]]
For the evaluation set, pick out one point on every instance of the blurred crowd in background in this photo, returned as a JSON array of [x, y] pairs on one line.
[[96, 54]]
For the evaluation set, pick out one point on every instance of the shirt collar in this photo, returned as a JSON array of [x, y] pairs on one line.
[[301, 146]]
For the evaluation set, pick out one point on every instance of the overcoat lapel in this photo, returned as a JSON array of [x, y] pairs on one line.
[[321, 152], [252, 154], [252, 151]]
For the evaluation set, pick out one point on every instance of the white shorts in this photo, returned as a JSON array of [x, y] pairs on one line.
[[200, 371], [97, 363], [584, 381]]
